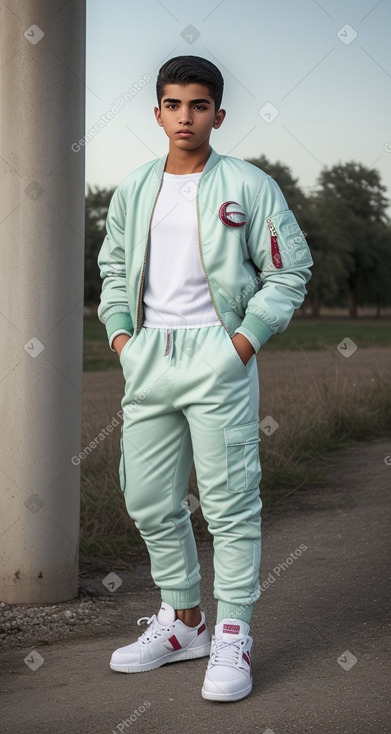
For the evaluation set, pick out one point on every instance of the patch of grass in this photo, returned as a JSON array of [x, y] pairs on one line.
[[337, 413], [105, 524], [101, 546], [94, 330], [310, 334], [96, 352], [98, 356]]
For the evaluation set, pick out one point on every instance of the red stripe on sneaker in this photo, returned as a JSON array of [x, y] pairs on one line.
[[174, 642], [201, 629], [247, 659]]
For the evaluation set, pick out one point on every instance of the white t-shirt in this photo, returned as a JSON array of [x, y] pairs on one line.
[[176, 293]]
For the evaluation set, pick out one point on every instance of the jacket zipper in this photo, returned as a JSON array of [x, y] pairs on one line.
[[142, 275], [203, 264], [275, 250]]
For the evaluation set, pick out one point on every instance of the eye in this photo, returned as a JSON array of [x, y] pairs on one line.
[[200, 107]]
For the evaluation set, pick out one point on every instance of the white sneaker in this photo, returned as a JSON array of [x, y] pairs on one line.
[[166, 640], [228, 675]]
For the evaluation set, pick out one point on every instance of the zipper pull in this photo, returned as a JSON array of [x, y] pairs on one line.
[[275, 250]]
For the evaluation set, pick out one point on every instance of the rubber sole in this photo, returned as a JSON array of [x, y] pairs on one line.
[[226, 697], [174, 657]]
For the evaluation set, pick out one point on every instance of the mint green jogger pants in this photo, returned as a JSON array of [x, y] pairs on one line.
[[188, 395]]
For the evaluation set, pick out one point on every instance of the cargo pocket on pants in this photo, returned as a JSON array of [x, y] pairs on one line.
[[242, 456]]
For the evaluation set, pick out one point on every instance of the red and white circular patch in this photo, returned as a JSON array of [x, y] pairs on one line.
[[232, 214]]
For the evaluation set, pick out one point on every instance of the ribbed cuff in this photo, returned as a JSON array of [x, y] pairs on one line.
[[120, 321], [183, 599], [257, 327]]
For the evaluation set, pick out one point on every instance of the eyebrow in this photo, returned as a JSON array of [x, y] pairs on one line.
[[192, 101]]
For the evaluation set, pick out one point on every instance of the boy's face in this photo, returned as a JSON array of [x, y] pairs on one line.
[[187, 114]]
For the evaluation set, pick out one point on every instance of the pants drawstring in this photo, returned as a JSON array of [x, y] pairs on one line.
[[169, 345]]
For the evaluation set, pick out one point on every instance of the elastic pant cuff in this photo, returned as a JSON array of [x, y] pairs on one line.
[[183, 599]]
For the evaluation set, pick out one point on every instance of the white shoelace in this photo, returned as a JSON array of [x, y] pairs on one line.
[[225, 653], [154, 629]]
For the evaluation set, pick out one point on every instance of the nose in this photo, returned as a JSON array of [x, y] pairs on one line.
[[185, 117]]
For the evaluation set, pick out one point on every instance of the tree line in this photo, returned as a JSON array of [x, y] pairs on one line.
[[345, 222]]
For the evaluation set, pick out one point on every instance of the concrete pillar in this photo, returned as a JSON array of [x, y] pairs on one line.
[[42, 67]]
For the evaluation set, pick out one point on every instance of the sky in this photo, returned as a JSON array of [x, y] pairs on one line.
[[307, 83]]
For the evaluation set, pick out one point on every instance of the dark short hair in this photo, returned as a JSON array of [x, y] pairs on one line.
[[191, 70]]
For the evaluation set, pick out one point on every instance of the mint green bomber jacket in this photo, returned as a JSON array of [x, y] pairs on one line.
[[255, 258]]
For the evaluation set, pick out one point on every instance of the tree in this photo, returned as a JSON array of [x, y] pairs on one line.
[[97, 204], [350, 207], [375, 288], [326, 243]]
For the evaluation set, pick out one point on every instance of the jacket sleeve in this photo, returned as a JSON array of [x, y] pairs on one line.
[[279, 250], [113, 309]]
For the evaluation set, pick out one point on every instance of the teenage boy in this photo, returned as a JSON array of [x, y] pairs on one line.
[[202, 263]]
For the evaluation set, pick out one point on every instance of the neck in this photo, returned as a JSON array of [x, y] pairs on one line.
[[186, 161]]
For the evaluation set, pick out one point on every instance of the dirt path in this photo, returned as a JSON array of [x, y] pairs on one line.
[[321, 655]]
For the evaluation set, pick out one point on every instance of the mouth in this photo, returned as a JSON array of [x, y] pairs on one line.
[[184, 133]]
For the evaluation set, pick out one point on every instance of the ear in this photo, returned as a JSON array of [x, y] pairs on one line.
[[220, 115], [158, 116]]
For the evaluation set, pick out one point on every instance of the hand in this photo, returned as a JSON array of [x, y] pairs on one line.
[[243, 347], [119, 342]]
